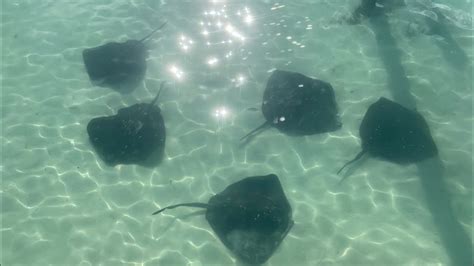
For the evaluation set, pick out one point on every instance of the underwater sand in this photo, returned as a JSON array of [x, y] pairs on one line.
[[62, 205]]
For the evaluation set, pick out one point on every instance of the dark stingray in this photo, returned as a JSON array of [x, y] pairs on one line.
[[251, 217], [298, 105], [365, 9], [119, 66], [370, 8], [394, 133], [135, 135]]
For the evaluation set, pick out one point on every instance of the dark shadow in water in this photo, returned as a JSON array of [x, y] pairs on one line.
[[455, 240], [450, 49], [367, 8], [391, 55]]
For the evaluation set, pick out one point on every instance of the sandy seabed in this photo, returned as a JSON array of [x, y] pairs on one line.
[[62, 205]]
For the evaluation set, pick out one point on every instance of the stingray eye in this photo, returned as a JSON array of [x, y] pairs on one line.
[[282, 119]]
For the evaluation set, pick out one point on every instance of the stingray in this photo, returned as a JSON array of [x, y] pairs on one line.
[[251, 217], [298, 105], [119, 66], [394, 133], [135, 135], [370, 8]]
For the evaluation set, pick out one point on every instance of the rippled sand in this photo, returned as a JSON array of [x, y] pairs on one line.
[[62, 205]]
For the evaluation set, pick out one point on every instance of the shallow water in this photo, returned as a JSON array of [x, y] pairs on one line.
[[62, 205]]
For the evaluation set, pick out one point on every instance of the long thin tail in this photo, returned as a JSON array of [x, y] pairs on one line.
[[358, 156], [158, 94], [191, 204], [151, 33], [261, 127], [156, 97]]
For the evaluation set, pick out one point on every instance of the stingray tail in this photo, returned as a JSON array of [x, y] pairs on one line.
[[156, 97], [192, 204], [253, 132], [358, 156], [158, 94], [153, 32]]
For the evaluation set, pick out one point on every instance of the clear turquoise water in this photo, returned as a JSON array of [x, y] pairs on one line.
[[62, 205]]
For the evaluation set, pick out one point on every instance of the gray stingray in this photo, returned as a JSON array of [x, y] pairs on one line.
[[135, 135], [298, 105], [394, 133], [119, 66], [251, 217]]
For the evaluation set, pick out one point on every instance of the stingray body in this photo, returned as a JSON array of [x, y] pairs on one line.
[[120, 66], [298, 105], [135, 135], [251, 217], [396, 134], [117, 65]]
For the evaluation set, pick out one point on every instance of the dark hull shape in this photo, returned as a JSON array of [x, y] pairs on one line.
[[119, 66], [251, 217], [396, 134], [298, 105]]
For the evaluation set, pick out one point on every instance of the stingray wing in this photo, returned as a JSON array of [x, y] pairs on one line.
[[120, 66], [395, 133], [106, 137], [299, 105], [130, 137], [251, 217]]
